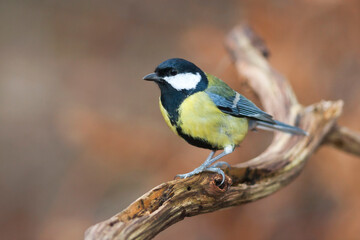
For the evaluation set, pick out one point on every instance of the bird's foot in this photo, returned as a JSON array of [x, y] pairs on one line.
[[214, 168], [220, 164], [219, 171], [192, 173]]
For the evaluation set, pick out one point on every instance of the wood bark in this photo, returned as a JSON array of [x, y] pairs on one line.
[[277, 166]]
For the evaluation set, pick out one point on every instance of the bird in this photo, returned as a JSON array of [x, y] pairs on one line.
[[207, 113]]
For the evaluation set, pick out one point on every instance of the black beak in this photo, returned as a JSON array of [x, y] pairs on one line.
[[152, 77]]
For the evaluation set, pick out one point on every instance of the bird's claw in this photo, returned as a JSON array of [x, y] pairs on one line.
[[219, 171], [190, 174], [182, 176], [210, 169]]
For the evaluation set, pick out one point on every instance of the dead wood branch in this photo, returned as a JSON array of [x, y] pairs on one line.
[[281, 162], [344, 139]]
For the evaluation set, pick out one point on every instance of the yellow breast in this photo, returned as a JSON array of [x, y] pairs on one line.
[[200, 118]]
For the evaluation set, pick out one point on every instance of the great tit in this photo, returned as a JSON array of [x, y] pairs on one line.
[[207, 113]]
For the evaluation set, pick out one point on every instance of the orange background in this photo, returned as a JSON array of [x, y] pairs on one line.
[[81, 134]]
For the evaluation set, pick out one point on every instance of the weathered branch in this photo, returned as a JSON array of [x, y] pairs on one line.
[[344, 139], [278, 165]]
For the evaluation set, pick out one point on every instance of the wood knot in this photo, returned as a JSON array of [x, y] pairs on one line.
[[215, 187]]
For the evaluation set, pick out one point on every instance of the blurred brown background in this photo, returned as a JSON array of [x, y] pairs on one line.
[[81, 135]]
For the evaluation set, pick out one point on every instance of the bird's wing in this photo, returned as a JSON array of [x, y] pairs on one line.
[[233, 103]]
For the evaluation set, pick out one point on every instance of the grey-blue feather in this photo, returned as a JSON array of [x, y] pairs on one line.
[[239, 106], [280, 126], [235, 104]]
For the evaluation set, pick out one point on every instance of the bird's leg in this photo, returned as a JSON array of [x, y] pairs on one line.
[[208, 160], [202, 167], [206, 165]]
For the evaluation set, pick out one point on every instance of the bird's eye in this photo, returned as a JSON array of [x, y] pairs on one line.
[[173, 72]]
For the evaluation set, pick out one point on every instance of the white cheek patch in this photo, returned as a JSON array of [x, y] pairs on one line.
[[184, 81]]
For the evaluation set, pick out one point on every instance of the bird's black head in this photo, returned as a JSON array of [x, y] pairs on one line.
[[177, 79], [179, 75]]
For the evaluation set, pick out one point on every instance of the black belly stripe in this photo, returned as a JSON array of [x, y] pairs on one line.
[[198, 142]]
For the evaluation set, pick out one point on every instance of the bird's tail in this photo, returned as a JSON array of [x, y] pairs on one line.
[[276, 126]]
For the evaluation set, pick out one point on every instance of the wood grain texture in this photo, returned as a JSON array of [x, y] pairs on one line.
[[344, 139], [277, 166]]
